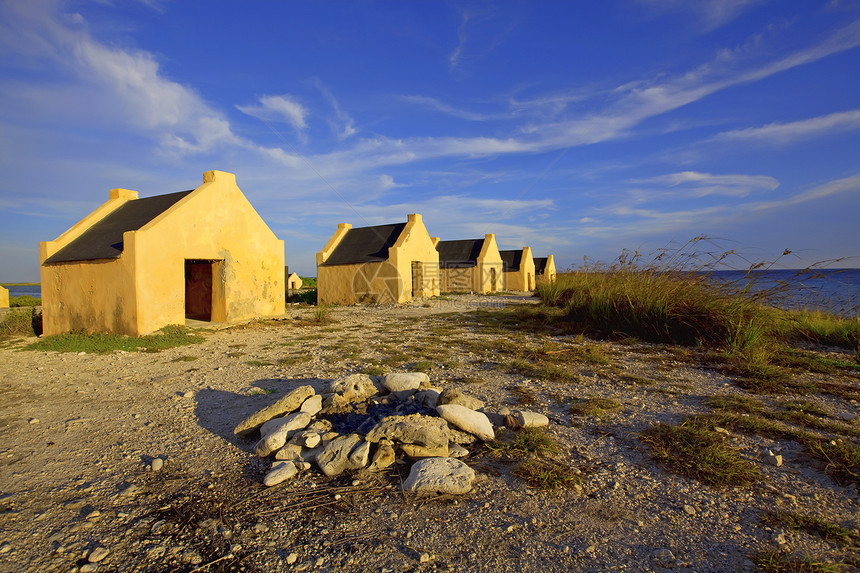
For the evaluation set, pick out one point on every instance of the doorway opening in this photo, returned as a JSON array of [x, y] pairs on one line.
[[201, 296]]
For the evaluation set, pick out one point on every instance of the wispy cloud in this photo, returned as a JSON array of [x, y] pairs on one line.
[[711, 14], [278, 108], [342, 125], [697, 184], [442, 107], [790, 132]]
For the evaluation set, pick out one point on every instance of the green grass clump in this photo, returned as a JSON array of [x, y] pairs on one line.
[[811, 524], [170, 336], [532, 449], [773, 561], [594, 407], [692, 449], [257, 363], [19, 322], [374, 370], [423, 366], [824, 328], [24, 300]]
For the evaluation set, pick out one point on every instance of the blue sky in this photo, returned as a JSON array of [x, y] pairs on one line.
[[577, 128]]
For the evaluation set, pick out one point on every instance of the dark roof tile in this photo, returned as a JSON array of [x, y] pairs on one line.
[[103, 240], [365, 245]]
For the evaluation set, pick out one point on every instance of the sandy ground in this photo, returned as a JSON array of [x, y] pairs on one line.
[[79, 433]]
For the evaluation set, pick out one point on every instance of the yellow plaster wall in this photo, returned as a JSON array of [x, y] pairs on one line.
[[294, 282], [488, 261], [384, 282], [4, 297], [524, 279], [214, 222], [96, 296], [144, 289], [415, 244], [549, 273]]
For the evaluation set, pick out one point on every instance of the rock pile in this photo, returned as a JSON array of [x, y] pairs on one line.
[[361, 422]]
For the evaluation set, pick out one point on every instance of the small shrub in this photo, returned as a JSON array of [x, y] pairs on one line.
[[24, 300], [423, 366], [594, 406], [694, 450], [546, 475], [811, 524], [18, 322], [304, 297], [374, 370], [322, 315], [257, 363], [534, 441]]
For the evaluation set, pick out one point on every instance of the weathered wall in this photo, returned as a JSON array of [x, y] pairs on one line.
[[144, 289], [549, 273], [4, 297], [88, 295], [457, 279], [294, 282], [524, 278], [488, 273], [215, 222], [415, 244], [384, 282]]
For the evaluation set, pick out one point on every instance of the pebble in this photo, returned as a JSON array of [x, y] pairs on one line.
[[292, 558], [689, 510], [98, 554], [156, 464], [33, 421], [5, 547]]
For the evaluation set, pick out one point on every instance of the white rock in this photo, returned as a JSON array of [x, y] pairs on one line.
[[475, 423], [157, 464], [440, 475], [296, 421], [312, 405], [404, 384], [280, 472], [529, 419]]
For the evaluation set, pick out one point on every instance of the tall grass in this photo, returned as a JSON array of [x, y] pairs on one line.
[[667, 299]]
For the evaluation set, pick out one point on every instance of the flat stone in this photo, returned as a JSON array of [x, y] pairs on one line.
[[354, 388], [337, 456], [98, 554], [527, 419], [427, 431], [417, 452], [312, 405], [452, 396], [475, 423], [279, 430], [404, 384], [280, 472], [440, 476], [285, 405], [383, 458]]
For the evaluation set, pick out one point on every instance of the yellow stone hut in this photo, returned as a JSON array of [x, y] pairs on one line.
[[382, 264], [4, 297], [470, 265], [294, 282], [519, 268], [545, 269], [136, 265]]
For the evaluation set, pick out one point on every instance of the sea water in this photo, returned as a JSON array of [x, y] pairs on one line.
[[30, 290], [835, 291]]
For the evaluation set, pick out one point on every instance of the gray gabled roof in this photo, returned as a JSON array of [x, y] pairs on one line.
[[511, 260], [104, 239], [365, 245], [540, 265], [462, 253]]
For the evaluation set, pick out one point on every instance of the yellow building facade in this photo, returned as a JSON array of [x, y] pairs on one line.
[[519, 269], [383, 264], [294, 282], [470, 265], [4, 297], [136, 265], [545, 269]]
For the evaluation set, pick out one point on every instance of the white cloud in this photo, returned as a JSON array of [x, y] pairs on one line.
[[789, 132], [697, 184], [278, 108], [710, 13], [343, 126]]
